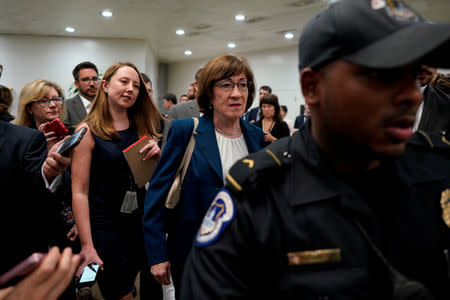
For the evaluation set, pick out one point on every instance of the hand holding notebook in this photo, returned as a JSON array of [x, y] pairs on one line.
[[142, 169]]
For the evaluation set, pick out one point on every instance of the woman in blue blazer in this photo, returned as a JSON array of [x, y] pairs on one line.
[[225, 92]]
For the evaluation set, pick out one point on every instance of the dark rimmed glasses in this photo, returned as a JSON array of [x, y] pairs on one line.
[[45, 102], [88, 80], [228, 85]]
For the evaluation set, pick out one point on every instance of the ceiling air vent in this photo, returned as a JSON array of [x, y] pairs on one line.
[[256, 20], [193, 33], [201, 27], [300, 3]]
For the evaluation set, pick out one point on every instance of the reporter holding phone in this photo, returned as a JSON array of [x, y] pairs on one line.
[[40, 102], [102, 183], [49, 279], [29, 174]]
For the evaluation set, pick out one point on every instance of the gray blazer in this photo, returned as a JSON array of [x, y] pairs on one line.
[[76, 112], [183, 110]]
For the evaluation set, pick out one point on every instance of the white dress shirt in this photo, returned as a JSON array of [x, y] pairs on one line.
[[87, 104]]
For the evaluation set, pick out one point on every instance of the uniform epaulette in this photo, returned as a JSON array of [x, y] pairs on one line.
[[272, 156], [249, 165], [431, 140]]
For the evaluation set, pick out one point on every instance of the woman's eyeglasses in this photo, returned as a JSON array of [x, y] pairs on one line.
[[45, 102], [228, 85]]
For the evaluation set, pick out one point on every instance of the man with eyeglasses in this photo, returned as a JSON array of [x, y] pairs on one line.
[[86, 79]]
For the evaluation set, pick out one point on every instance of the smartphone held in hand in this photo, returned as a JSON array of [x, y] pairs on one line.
[[57, 127], [88, 275], [71, 142]]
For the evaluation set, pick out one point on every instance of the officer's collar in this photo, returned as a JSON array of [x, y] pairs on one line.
[[318, 181], [314, 176]]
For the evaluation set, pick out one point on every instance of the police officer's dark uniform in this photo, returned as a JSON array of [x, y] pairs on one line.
[[293, 234], [288, 226]]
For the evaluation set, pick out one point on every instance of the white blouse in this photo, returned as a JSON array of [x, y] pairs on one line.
[[231, 150]]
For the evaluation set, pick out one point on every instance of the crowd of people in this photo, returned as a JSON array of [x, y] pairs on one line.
[[349, 201]]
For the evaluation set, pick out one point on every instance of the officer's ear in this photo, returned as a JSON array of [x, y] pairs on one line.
[[309, 82]]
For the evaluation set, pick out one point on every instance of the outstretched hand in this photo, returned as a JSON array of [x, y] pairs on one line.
[[49, 280], [55, 163]]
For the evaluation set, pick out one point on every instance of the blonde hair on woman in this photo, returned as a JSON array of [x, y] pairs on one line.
[[32, 91]]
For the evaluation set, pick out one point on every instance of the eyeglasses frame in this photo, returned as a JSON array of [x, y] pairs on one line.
[[59, 98], [249, 83], [96, 81]]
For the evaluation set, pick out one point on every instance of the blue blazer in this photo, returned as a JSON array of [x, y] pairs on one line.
[[202, 182]]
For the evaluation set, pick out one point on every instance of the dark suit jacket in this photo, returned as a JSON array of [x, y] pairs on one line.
[[299, 121], [27, 215], [436, 111], [252, 115], [76, 112], [202, 182]]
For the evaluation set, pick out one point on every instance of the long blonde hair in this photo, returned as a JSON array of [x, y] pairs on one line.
[[143, 115], [35, 90]]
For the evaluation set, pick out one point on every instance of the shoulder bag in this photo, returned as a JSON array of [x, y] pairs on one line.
[[175, 190]]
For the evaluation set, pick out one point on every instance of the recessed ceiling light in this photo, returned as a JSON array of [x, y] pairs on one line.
[[70, 29], [107, 13], [289, 35], [239, 17], [187, 52], [179, 31], [231, 45]]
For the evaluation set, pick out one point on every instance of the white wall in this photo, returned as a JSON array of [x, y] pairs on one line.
[[276, 68], [151, 68], [26, 58]]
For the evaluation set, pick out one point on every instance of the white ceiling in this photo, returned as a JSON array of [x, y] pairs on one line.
[[209, 24]]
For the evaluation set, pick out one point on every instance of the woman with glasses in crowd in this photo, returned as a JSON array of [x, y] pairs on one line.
[[40, 102], [107, 203], [270, 119], [226, 89]]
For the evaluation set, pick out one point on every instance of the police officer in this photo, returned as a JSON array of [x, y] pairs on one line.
[[352, 206]]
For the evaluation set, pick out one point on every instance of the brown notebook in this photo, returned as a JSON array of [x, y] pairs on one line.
[[142, 169]]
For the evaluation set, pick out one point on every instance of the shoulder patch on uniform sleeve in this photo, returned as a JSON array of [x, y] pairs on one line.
[[218, 216], [244, 168]]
